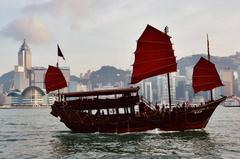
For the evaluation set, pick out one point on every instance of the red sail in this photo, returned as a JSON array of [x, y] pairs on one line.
[[205, 76], [54, 79], [153, 56]]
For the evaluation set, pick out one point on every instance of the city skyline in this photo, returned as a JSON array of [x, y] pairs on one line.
[[92, 34]]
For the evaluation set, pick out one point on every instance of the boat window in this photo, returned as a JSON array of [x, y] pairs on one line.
[[85, 111], [112, 111], [94, 111], [129, 110], [126, 110], [103, 111], [136, 108], [121, 111]]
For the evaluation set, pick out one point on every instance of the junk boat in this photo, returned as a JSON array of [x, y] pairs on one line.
[[124, 110]]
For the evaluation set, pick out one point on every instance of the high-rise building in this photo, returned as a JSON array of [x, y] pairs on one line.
[[148, 91], [180, 88], [24, 56], [227, 79], [38, 74], [188, 74], [162, 86], [22, 71]]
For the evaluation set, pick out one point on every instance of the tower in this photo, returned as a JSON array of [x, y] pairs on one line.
[[22, 71], [24, 56]]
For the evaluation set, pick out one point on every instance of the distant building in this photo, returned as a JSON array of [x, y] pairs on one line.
[[227, 79], [148, 91], [198, 100], [77, 87], [188, 75], [162, 84], [160, 87], [238, 80], [31, 96], [38, 75], [1, 88], [22, 71], [28, 82], [180, 88]]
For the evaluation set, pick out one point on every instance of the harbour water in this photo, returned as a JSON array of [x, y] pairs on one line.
[[34, 133]]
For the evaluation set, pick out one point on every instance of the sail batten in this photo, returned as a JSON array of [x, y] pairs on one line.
[[54, 79], [205, 76], [154, 55], [154, 60]]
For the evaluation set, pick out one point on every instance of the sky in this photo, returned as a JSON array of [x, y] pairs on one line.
[[93, 33]]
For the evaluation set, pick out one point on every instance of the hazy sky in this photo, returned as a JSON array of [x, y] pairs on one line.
[[92, 33]]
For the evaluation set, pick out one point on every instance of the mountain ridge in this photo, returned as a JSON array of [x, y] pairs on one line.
[[110, 75]]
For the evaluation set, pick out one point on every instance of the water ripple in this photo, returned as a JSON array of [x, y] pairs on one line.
[[34, 133]]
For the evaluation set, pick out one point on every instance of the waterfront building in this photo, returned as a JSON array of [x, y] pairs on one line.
[[227, 78], [28, 83], [38, 75], [163, 88], [148, 91], [77, 87], [238, 79], [1, 88], [180, 88], [188, 74], [198, 100]]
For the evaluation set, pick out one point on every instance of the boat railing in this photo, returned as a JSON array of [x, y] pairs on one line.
[[96, 103], [148, 103]]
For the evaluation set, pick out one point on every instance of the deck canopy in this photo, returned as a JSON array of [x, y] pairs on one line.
[[102, 92]]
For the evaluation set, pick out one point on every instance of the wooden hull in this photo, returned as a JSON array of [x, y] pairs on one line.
[[177, 120]]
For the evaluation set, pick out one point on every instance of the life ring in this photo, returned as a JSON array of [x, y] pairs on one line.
[[65, 103]]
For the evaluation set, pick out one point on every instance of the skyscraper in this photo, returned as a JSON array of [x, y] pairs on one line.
[[22, 71], [227, 78]]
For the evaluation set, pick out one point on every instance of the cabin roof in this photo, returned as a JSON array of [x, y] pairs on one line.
[[102, 92]]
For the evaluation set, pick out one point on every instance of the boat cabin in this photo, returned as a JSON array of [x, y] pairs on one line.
[[103, 102]]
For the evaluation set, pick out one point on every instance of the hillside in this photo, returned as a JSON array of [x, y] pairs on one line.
[[109, 75], [7, 80], [229, 62]]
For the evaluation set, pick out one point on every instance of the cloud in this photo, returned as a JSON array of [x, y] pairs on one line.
[[59, 7], [73, 10], [29, 28]]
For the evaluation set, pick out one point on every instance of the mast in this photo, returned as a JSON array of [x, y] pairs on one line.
[[208, 50], [168, 77]]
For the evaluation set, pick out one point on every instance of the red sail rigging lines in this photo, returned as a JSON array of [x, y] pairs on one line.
[[54, 79], [153, 56], [205, 76]]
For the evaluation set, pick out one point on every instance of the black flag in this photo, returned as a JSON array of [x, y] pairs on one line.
[[60, 52]]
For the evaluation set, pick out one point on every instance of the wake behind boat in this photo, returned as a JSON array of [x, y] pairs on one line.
[[123, 110]]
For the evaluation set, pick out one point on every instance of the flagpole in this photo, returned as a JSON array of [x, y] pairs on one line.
[[57, 58], [58, 67], [61, 55], [57, 61]]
